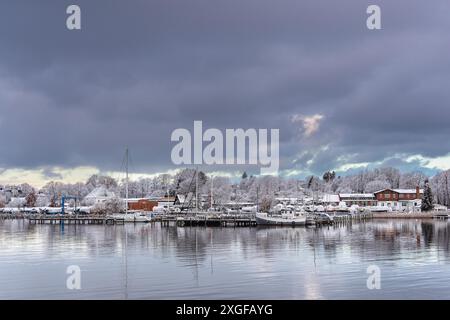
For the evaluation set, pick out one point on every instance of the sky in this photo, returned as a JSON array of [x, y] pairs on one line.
[[344, 97]]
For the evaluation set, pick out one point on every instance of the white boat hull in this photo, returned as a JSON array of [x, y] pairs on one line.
[[264, 219], [133, 217]]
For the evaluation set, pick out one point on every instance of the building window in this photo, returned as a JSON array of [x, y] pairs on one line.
[[387, 195]]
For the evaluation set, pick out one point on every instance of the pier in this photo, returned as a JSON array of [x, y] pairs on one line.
[[350, 218], [207, 220], [441, 216], [192, 219], [58, 219]]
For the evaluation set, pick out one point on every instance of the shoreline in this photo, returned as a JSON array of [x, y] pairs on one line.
[[402, 215]]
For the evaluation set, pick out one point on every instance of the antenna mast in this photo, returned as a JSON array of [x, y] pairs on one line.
[[196, 190], [126, 181]]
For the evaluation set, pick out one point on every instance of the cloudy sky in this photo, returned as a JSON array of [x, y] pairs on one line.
[[344, 97]]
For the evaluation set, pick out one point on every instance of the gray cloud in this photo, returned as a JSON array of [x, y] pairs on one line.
[[139, 70]]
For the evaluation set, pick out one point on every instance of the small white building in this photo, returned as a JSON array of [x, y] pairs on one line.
[[287, 200], [99, 195], [17, 202], [331, 199], [166, 202]]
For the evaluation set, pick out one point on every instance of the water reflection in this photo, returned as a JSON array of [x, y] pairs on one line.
[[150, 261]]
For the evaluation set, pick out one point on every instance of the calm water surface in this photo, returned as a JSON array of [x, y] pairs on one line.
[[153, 262]]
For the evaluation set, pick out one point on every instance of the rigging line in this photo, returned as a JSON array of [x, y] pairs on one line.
[[189, 190]]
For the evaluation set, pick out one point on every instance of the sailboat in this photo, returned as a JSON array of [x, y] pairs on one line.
[[130, 216], [290, 219], [263, 218]]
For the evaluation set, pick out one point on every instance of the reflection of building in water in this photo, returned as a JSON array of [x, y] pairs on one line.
[[437, 233]]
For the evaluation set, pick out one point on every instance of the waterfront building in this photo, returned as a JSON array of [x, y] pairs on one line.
[[360, 199], [141, 204], [330, 199], [399, 199], [99, 195]]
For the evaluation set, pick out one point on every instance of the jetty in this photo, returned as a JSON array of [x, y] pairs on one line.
[[441, 216], [191, 219], [411, 215], [69, 219], [247, 220]]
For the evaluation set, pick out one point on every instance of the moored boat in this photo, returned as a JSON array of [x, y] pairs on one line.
[[288, 220], [133, 217]]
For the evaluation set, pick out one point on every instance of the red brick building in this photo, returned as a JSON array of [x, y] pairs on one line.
[[141, 204], [399, 199]]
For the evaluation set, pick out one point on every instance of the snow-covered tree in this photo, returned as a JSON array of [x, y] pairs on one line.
[[98, 180], [185, 181], [31, 199], [410, 180], [42, 200], [441, 186], [427, 198], [17, 203], [376, 185], [114, 205], [25, 189], [221, 190]]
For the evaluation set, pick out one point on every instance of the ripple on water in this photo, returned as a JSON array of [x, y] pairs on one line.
[[147, 261]]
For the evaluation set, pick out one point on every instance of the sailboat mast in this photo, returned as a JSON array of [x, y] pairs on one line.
[[126, 181], [212, 199], [257, 199], [196, 190]]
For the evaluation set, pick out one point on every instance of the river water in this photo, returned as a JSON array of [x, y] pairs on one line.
[[147, 261]]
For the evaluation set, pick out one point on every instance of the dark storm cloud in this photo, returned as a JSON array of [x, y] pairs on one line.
[[139, 69]]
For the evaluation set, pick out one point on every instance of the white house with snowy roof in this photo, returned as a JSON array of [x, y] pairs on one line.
[[98, 195], [331, 199]]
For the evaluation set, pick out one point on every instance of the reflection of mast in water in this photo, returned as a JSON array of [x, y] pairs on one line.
[[126, 264], [314, 247], [212, 251], [196, 262]]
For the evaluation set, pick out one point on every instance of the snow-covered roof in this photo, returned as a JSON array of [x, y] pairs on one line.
[[330, 198], [165, 199], [356, 195], [407, 190], [137, 199], [286, 199], [400, 190], [100, 193]]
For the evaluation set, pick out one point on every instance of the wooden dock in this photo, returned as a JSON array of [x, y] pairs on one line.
[[58, 219], [441, 216], [407, 215], [201, 219], [207, 220], [352, 218]]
